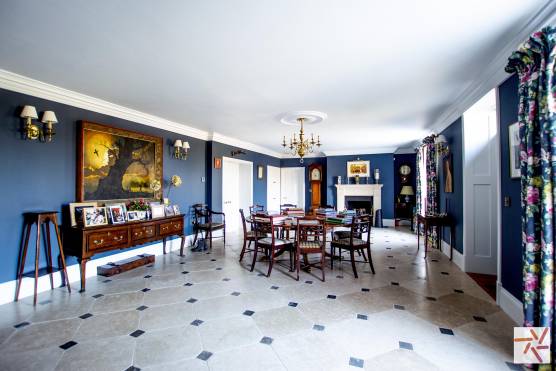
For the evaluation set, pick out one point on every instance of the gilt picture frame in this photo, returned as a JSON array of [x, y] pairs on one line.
[[115, 164], [358, 168]]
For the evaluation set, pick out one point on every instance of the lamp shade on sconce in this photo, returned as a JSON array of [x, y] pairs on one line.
[[178, 143], [407, 191], [29, 112], [186, 145], [49, 117]]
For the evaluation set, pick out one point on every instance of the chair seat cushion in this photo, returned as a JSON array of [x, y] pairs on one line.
[[211, 226], [345, 234], [278, 242], [345, 242], [310, 245]]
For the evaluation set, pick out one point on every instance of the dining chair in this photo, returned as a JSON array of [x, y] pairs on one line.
[[248, 236], [311, 239], [359, 240], [204, 221], [255, 209], [271, 245]]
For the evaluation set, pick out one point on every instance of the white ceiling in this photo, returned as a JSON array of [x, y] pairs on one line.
[[383, 71]]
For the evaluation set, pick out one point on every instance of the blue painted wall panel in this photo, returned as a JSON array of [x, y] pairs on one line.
[[42, 176]]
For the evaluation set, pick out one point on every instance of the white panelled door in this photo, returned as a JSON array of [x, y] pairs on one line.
[[293, 186], [237, 190], [273, 188], [480, 186]]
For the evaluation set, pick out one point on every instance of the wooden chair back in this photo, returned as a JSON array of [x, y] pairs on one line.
[[360, 228], [311, 229]]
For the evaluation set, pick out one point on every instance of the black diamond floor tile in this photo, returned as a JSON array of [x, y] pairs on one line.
[[399, 307], [147, 276], [362, 316], [446, 331], [356, 362], [331, 297], [191, 300], [22, 324], [141, 308], [85, 316], [364, 289], [184, 272], [137, 333], [266, 340], [309, 282], [248, 313], [458, 291], [407, 346], [292, 304], [395, 283], [68, 345], [318, 327], [479, 319], [274, 287], [204, 355], [188, 284], [146, 289], [132, 368], [235, 293], [98, 296], [431, 298], [197, 322]]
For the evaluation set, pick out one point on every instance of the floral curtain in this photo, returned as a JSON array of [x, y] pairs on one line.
[[427, 183], [534, 63]]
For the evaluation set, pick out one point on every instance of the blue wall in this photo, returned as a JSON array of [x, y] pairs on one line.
[[42, 176], [453, 134], [337, 166], [511, 216], [294, 162], [215, 149]]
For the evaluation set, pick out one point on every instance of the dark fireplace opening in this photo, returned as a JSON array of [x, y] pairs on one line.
[[359, 202]]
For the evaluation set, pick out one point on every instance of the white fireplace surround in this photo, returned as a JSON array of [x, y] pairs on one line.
[[368, 190]]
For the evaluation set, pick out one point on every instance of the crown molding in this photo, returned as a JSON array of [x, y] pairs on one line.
[[361, 151], [234, 142], [25, 85], [493, 74]]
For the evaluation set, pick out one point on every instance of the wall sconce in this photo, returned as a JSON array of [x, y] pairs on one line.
[[237, 152], [32, 131], [181, 149], [441, 145]]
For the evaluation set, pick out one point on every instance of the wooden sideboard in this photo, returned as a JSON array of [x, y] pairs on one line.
[[84, 243]]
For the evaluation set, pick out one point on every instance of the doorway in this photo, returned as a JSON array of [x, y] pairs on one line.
[[292, 182], [273, 189], [237, 190], [481, 187]]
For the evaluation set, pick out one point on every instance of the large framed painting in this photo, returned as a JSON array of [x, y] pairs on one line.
[[515, 163], [116, 164], [358, 168]]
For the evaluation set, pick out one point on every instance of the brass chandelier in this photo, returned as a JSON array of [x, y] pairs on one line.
[[298, 145]]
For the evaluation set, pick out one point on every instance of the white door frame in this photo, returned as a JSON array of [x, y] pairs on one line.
[[468, 199], [242, 162], [301, 171]]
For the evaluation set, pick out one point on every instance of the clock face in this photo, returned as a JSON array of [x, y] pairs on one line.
[[315, 174], [405, 170]]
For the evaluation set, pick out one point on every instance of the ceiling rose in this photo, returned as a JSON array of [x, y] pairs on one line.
[[309, 117]]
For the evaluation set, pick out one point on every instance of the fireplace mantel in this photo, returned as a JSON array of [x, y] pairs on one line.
[[370, 190]]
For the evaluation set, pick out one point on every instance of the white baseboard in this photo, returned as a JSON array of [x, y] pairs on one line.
[[389, 222], [457, 258], [7, 289], [509, 304]]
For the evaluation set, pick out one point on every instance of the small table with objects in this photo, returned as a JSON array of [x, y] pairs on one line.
[[439, 221]]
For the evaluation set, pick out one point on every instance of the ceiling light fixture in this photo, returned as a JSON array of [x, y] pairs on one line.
[[298, 145]]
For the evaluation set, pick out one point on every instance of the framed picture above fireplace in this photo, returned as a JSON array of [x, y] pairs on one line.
[[358, 168]]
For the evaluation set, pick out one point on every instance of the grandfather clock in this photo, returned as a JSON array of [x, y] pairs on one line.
[[315, 179]]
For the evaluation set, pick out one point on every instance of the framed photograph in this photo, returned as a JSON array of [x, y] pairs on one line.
[[176, 210], [116, 164], [95, 216], [260, 172], [117, 214], [157, 211], [132, 216], [218, 162], [169, 210], [141, 214], [515, 161], [448, 174], [358, 168], [76, 212]]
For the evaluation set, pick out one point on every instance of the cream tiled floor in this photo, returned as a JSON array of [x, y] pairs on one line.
[[208, 312]]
